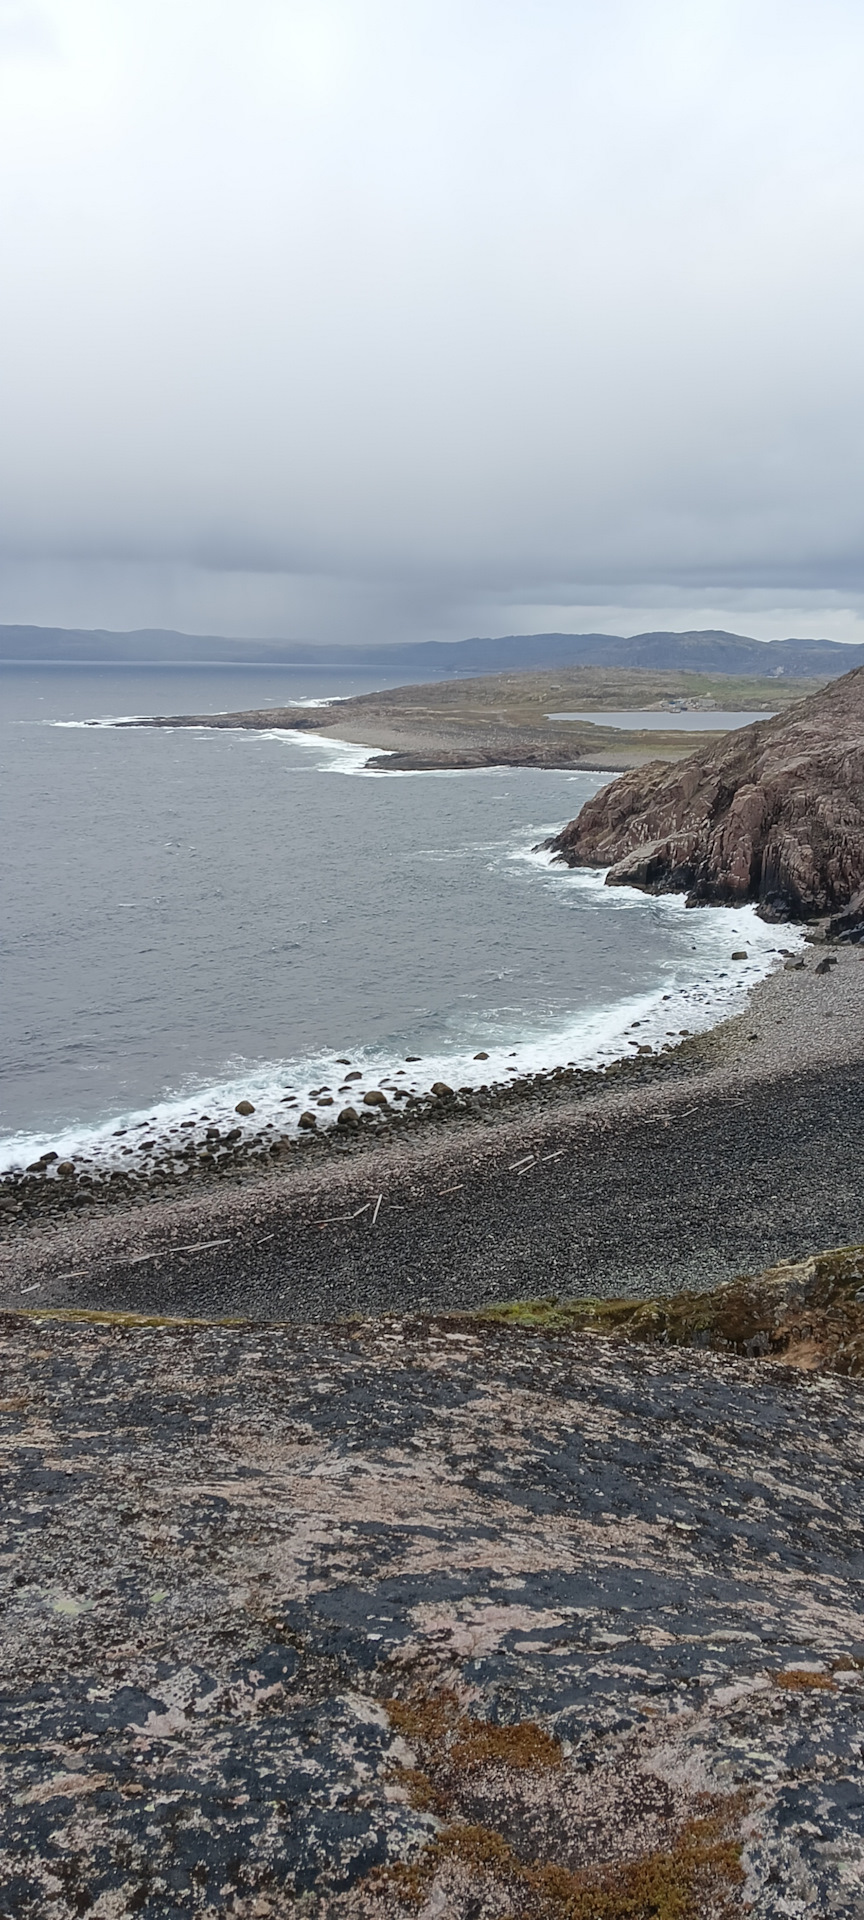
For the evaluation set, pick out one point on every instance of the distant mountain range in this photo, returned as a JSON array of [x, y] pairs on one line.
[[705, 652]]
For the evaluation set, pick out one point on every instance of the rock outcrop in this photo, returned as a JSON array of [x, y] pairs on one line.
[[774, 813], [431, 1615]]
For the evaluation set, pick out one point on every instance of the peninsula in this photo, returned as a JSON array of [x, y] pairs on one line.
[[518, 719]]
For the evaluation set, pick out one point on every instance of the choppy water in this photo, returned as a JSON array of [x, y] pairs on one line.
[[192, 917]]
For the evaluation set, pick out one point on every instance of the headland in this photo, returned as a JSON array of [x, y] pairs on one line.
[[503, 719]]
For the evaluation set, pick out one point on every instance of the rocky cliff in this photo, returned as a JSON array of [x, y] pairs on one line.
[[774, 813]]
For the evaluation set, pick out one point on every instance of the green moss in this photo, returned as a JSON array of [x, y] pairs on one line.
[[809, 1312]]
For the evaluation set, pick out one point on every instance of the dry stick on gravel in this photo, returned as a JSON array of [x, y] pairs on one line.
[[339, 1219], [197, 1246]]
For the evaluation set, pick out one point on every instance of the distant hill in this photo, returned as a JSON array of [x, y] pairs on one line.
[[697, 652]]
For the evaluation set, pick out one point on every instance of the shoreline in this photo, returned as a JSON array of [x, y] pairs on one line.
[[502, 720], [553, 1191]]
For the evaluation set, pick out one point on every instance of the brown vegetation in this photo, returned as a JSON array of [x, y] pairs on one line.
[[807, 1314], [692, 1874]]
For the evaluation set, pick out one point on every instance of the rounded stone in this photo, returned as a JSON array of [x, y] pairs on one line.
[[441, 1090], [374, 1098], [307, 1120], [244, 1107], [349, 1117]]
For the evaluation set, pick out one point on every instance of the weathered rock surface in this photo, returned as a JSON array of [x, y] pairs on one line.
[[774, 813], [434, 1615]]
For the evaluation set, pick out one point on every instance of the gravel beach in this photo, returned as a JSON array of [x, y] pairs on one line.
[[745, 1147]]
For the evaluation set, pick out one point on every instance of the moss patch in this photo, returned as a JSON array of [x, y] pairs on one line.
[[799, 1680], [463, 1760], [809, 1314]]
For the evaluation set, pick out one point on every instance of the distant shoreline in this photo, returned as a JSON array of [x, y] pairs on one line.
[[502, 720]]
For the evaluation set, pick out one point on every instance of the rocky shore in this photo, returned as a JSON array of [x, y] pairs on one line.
[[772, 814]]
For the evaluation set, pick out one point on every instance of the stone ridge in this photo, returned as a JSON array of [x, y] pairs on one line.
[[774, 813]]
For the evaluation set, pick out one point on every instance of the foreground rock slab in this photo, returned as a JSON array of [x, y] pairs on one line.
[[435, 1616]]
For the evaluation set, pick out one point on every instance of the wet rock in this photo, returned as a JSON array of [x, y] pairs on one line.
[[245, 1107], [374, 1098], [441, 1090], [481, 1056], [308, 1121], [349, 1117], [740, 954]]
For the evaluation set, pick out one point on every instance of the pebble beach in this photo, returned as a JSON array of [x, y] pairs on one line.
[[737, 1148]]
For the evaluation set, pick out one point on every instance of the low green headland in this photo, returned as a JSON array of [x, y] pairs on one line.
[[503, 719]]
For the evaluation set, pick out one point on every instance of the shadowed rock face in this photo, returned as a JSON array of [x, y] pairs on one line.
[[773, 814]]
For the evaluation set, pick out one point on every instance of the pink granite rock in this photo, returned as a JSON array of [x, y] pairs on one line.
[[774, 813]]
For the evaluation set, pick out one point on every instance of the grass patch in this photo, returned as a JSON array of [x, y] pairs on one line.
[[810, 1314]]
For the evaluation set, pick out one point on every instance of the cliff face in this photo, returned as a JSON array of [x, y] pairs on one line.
[[774, 813]]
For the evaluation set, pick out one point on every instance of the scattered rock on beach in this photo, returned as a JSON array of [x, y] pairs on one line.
[[307, 1120], [245, 1107], [374, 1098]]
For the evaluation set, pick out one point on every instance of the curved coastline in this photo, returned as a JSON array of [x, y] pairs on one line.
[[552, 1186]]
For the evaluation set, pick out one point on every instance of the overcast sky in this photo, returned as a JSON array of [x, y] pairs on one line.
[[358, 319]]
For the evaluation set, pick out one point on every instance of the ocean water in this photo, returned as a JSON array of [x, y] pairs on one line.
[[193, 917], [645, 720]]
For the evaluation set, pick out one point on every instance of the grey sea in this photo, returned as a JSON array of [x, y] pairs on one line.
[[194, 917]]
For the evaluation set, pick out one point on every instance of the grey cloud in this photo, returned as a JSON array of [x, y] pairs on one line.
[[343, 316]]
